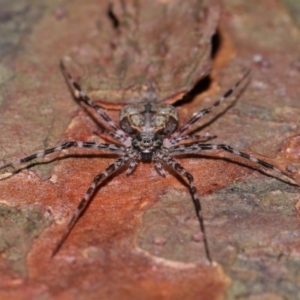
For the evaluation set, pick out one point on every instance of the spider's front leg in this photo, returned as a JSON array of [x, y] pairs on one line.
[[90, 145], [120, 162]]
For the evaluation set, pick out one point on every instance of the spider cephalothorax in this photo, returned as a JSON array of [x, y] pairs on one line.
[[148, 123], [146, 143], [149, 132]]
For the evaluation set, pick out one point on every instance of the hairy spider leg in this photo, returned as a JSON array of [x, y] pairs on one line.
[[198, 115], [159, 168], [120, 162], [105, 133], [203, 138], [133, 163], [196, 148], [80, 95], [172, 163], [91, 145]]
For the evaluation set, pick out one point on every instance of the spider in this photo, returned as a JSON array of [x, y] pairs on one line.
[[148, 132]]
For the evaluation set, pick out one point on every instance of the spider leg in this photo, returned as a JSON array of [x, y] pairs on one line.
[[171, 162], [133, 163], [80, 95], [159, 168], [196, 148], [88, 196], [202, 138], [198, 115], [91, 145], [105, 133]]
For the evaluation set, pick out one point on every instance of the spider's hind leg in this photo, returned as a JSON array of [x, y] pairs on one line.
[[198, 115], [80, 95]]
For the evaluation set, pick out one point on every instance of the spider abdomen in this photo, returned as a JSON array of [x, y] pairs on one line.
[[149, 117]]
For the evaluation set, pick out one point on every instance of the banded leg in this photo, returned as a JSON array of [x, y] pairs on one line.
[[160, 168], [200, 138], [80, 95], [105, 133], [91, 145], [198, 115], [133, 163], [179, 169], [196, 148], [87, 198]]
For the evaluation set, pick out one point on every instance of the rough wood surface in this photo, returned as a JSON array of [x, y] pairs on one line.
[[139, 237]]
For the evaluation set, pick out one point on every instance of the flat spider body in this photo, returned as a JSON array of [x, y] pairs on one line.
[[149, 131], [148, 123]]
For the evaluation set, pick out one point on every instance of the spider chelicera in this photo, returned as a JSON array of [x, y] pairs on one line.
[[148, 132]]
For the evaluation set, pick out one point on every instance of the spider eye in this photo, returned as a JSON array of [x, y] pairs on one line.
[[147, 142]]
